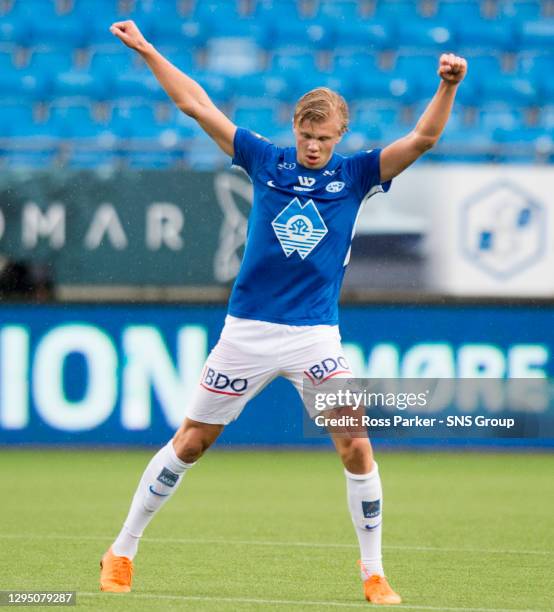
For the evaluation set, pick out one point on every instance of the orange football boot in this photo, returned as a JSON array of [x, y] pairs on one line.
[[116, 573], [377, 590]]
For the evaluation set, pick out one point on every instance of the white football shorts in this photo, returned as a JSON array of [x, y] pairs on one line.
[[250, 354]]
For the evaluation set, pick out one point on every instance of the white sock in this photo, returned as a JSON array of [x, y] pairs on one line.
[[365, 501], [159, 481]]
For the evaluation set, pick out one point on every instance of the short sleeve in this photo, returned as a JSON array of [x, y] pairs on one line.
[[364, 172], [251, 151]]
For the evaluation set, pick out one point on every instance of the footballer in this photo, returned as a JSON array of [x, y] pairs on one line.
[[283, 311]]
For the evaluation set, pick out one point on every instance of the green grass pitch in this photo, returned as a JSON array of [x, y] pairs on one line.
[[271, 531]]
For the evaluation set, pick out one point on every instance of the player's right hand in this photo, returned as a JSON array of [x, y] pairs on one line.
[[128, 33]]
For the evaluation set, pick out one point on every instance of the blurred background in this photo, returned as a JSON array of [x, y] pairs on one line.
[[122, 226]]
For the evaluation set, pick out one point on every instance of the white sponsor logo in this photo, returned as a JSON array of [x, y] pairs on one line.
[[335, 187], [271, 184], [286, 166], [296, 188], [329, 172], [306, 181]]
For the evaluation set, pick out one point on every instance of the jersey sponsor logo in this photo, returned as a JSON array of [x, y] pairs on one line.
[[327, 368], [217, 382], [167, 477], [270, 183], [286, 166], [371, 509], [335, 187], [299, 227], [307, 183], [329, 172]]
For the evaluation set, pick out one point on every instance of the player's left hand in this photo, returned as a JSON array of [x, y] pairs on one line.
[[452, 68]]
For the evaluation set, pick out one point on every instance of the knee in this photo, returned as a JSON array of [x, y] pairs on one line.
[[356, 455]]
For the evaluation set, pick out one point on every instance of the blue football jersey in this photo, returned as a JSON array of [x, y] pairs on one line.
[[299, 231]]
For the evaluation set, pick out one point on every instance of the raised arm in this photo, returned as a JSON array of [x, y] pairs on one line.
[[397, 156], [187, 94]]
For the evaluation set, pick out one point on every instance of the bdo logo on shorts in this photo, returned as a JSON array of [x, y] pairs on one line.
[[217, 382], [327, 368]]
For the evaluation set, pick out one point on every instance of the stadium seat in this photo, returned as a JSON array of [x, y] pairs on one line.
[[6, 62], [519, 10], [378, 89], [179, 33], [299, 63], [75, 122], [256, 118], [103, 64], [50, 62], [535, 66], [523, 145], [539, 69], [233, 56], [381, 117], [352, 64], [302, 35], [47, 9], [92, 159], [341, 83], [364, 36], [152, 11], [13, 115], [147, 158], [76, 85], [414, 66], [252, 29], [546, 119], [360, 137], [506, 118], [402, 11], [537, 35], [185, 126], [28, 159], [22, 87], [459, 11], [14, 32], [264, 85], [47, 132], [277, 11], [224, 11], [341, 11], [462, 143], [182, 58], [110, 10], [425, 35], [509, 89], [485, 36], [66, 33], [218, 86], [136, 85], [130, 121]]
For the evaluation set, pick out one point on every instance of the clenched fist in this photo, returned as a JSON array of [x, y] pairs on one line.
[[128, 33], [452, 68]]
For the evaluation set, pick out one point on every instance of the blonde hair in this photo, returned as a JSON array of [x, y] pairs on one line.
[[319, 105]]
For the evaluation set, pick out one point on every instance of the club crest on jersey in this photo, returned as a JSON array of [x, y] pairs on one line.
[[335, 187], [299, 227]]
